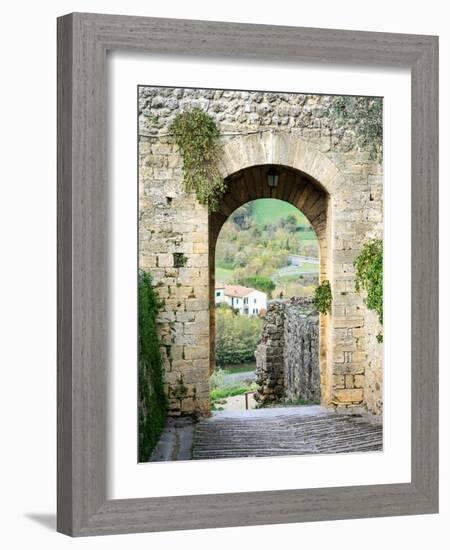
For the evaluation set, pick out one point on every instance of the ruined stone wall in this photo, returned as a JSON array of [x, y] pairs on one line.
[[301, 351], [287, 358], [174, 240], [270, 374]]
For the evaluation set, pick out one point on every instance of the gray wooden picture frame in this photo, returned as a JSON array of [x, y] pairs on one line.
[[83, 41]]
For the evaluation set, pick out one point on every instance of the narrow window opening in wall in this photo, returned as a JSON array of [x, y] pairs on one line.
[[169, 201], [179, 259]]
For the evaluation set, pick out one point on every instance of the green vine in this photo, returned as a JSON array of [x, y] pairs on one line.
[[152, 398], [197, 137], [369, 277], [322, 297], [365, 116]]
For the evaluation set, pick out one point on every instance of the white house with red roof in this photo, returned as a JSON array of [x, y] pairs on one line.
[[248, 301]]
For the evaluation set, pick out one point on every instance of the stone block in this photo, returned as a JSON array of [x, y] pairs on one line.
[[189, 276], [183, 339], [200, 291], [350, 396], [197, 260], [196, 352], [349, 381], [200, 248], [199, 237], [185, 316], [194, 375], [165, 317], [186, 247], [174, 304], [201, 365], [348, 322], [179, 365], [202, 317], [359, 356], [197, 304], [196, 328], [162, 149], [338, 310], [338, 381], [177, 353], [165, 260], [348, 368]]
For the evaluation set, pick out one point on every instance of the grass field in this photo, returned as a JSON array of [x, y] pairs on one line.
[[268, 211]]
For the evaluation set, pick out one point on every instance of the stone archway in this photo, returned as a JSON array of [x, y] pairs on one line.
[[341, 197], [244, 165]]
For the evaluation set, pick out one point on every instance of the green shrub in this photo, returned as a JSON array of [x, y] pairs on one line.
[[223, 393], [217, 379], [264, 284], [197, 137], [364, 116], [369, 277], [236, 336], [322, 297], [152, 399]]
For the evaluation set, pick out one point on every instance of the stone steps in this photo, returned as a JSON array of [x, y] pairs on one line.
[[284, 432]]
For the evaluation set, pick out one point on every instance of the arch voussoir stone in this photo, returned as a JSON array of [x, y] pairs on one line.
[[280, 148]]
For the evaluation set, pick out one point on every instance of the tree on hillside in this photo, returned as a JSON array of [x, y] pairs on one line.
[[236, 336], [242, 217], [264, 284]]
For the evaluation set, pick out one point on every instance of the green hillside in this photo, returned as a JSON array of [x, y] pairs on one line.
[[256, 241], [267, 211]]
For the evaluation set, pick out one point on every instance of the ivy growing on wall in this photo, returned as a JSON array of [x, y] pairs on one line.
[[152, 399], [369, 277], [322, 297], [197, 137], [364, 115]]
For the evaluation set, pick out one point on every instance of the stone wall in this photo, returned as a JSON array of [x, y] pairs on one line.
[[258, 128], [373, 379], [270, 373], [173, 247], [287, 358], [301, 351]]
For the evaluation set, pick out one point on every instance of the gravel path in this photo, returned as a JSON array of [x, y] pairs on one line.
[[237, 403]]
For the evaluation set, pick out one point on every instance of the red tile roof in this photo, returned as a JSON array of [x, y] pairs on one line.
[[236, 291]]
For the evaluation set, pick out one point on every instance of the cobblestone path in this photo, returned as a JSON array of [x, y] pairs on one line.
[[285, 431]]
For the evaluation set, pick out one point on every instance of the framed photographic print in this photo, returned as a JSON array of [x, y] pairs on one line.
[[247, 269]]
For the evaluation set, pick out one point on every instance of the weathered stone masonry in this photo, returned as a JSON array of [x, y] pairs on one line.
[[324, 171], [287, 358]]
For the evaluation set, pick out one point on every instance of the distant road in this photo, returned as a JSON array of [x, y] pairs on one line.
[[294, 259], [289, 270]]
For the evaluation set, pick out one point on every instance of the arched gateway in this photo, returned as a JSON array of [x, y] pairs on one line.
[[177, 245], [245, 163]]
